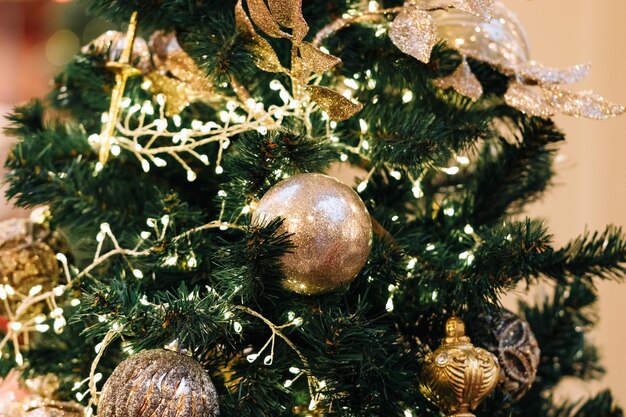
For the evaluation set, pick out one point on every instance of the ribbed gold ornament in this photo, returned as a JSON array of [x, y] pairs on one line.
[[458, 376], [158, 382]]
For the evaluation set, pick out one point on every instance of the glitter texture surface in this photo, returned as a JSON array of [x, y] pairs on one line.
[[502, 40], [463, 81], [534, 71], [316, 60], [528, 100], [331, 228], [337, 106], [516, 347], [262, 17], [25, 261], [169, 57], [264, 56], [582, 104], [48, 408], [289, 14], [158, 383], [414, 32], [481, 8]]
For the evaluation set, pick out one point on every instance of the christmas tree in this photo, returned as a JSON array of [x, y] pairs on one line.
[[190, 256]]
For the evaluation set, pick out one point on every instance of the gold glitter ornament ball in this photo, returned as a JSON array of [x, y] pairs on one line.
[[331, 230], [26, 258], [158, 383]]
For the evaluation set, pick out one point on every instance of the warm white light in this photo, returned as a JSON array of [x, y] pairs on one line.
[[451, 171], [363, 125]]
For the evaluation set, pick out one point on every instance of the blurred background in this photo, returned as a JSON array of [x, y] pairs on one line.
[[38, 37]]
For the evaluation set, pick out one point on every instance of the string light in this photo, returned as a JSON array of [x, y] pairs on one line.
[[453, 170], [417, 190], [463, 160]]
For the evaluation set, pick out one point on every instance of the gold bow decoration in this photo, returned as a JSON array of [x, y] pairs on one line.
[[283, 19]]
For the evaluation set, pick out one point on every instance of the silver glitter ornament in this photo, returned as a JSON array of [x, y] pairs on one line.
[[158, 383], [331, 230], [535, 89], [516, 347], [501, 41]]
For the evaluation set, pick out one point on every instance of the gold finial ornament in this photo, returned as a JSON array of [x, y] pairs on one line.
[[123, 71], [458, 376]]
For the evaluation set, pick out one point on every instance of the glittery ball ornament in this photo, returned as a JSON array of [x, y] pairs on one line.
[[26, 259], [48, 408], [518, 353], [458, 376], [329, 226], [158, 383]]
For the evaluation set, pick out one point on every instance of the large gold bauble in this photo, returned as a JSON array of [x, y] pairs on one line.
[[26, 259], [458, 376], [158, 383], [331, 230]]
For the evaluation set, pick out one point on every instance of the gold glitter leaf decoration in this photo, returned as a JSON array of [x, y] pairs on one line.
[[317, 60], [264, 56], [282, 10], [288, 13], [262, 17], [463, 81], [527, 100], [337, 106], [178, 95], [581, 104], [480, 8], [414, 32], [535, 71], [170, 58]]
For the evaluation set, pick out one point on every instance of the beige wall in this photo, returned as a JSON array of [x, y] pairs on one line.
[[591, 185]]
